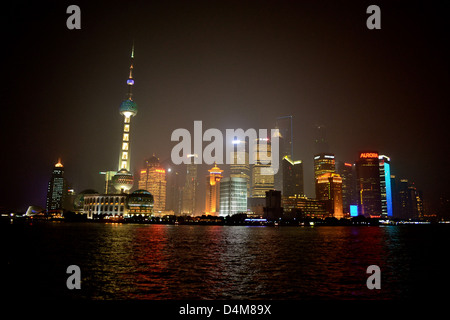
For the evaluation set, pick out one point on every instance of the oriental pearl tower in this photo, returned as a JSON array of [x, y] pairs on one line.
[[123, 179]]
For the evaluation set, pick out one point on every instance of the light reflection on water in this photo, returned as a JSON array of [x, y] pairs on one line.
[[222, 262]]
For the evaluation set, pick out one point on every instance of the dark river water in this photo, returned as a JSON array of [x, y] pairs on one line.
[[131, 261]]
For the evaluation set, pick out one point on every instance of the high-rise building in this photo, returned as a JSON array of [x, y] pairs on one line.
[[405, 208], [240, 167], [153, 179], [385, 186], [324, 163], [320, 139], [190, 188], [273, 209], [305, 207], [410, 201], [69, 199], [109, 187], [292, 176], [443, 209], [57, 189], [395, 186], [284, 126], [233, 196], [419, 204], [368, 184], [123, 179], [262, 181], [285, 136], [212, 201], [174, 186], [329, 189], [349, 194]]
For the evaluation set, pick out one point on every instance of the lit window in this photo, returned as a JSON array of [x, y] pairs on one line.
[[125, 146], [126, 128], [125, 137], [127, 119], [124, 155], [124, 165]]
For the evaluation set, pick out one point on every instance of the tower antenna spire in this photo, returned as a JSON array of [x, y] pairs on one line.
[[130, 81]]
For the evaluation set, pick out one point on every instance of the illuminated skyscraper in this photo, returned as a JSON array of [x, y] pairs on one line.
[[324, 163], [385, 186], [368, 184], [123, 180], [57, 189], [240, 167], [329, 189], [233, 196], [262, 182], [213, 190], [153, 179], [190, 187]]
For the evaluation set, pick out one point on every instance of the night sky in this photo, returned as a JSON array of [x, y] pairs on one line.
[[231, 64]]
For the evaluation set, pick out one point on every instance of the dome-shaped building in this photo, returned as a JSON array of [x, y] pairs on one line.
[[140, 202]]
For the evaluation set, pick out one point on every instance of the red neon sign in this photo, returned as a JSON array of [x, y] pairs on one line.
[[368, 155]]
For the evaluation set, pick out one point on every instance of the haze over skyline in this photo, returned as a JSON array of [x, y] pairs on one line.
[[230, 64]]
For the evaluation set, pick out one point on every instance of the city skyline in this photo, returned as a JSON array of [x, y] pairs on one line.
[[364, 103]]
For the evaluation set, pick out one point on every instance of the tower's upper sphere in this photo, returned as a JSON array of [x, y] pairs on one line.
[[128, 106]]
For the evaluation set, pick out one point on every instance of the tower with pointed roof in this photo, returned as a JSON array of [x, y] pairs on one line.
[[213, 190], [123, 179], [57, 189]]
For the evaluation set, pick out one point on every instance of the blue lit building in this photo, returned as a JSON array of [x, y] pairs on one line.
[[385, 186], [353, 210]]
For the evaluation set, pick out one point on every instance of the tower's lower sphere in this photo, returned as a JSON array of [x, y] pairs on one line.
[[123, 180]]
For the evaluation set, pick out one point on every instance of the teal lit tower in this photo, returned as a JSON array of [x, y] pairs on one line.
[[385, 186], [123, 179]]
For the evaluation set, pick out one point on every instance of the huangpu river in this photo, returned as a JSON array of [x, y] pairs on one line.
[[177, 262]]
